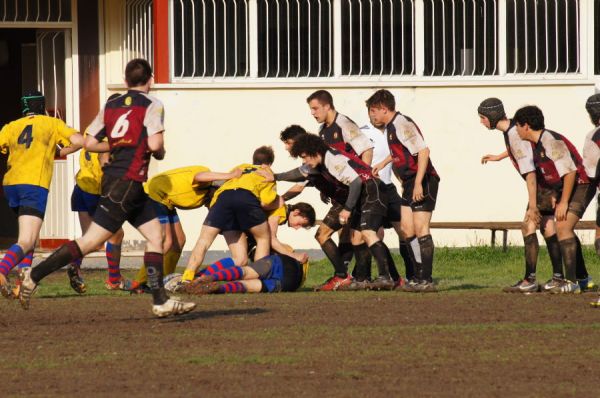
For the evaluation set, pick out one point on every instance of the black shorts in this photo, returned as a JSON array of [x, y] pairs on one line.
[[598, 212], [580, 199], [372, 210], [430, 190], [332, 218], [122, 200], [235, 210], [394, 204]]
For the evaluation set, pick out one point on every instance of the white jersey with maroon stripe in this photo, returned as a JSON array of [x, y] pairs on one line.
[[591, 153], [520, 151], [345, 136]]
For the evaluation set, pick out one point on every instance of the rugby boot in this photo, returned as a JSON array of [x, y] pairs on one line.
[[586, 284], [399, 284], [382, 283], [425, 287], [523, 286], [5, 288], [334, 283], [566, 287], [551, 283], [114, 285], [595, 303], [173, 306], [410, 285], [28, 287], [355, 285], [75, 279]]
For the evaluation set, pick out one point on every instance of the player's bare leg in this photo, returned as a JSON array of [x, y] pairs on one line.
[[262, 235], [207, 236], [238, 246]]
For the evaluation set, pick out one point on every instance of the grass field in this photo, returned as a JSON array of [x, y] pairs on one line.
[[469, 340]]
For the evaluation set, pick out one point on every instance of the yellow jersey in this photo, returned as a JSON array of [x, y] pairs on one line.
[[265, 192], [176, 188], [89, 176], [31, 142], [280, 212]]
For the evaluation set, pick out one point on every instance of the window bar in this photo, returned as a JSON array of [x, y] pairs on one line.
[[474, 38], [17, 10], [320, 41], [484, 38], [54, 73], [567, 33], [235, 40], [453, 38], [150, 32], [224, 38], [443, 38], [287, 31], [4, 17], [515, 22], [59, 10], [464, 43], [41, 63], [277, 36], [535, 41], [496, 49], [381, 54], [371, 36], [546, 38], [309, 40], [392, 34], [299, 38], [577, 35], [193, 4], [351, 35], [37, 16], [214, 2], [204, 51], [246, 7], [413, 34], [182, 38], [330, 30], [26, 11], [360, 36], [267, 33]]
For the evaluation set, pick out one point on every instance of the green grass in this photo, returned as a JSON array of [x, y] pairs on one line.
[[455, 269]]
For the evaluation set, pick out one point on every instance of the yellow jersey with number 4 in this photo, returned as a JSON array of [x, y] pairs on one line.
[[31, 142], [176, 188], [266, 192]]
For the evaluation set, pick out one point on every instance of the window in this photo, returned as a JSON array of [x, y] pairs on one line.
[[378, 37], [542, 36], [138, 38], [597, 37], [35, 11], [295, 38], [210, 38]]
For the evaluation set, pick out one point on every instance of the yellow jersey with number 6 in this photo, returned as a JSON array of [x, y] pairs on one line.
[[31, 142]]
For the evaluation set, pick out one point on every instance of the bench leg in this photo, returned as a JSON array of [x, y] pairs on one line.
[[493, 238], [504, 240]]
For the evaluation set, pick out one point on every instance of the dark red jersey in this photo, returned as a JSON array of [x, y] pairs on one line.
[[405, 141], [127, 122], [345, 136], [554, 156]]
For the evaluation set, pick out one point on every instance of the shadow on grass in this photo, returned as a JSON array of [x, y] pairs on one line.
[[464, 286], [195, 315]]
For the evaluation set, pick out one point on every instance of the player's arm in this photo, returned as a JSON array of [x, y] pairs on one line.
[[367, 156], [563, 205], [354, 190], [422, 162], [294, 191], [494, 158], [93, 144], [533, 213], [379, 166], [156, 145], [210, 176], [76, 141], [278, 246]]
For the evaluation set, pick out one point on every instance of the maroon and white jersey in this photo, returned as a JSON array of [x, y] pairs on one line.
[[520, 151], [345, 136], [591, 154], [405, 141], [554, 156], [127, 122]]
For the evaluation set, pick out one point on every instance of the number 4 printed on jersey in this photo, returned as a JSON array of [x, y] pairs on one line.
[[121, 126], [26, 136]]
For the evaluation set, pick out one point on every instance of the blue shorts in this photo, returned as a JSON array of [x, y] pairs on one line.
[[272, 281], [165, 216], [83, 201], [27, 200], [235, 210]]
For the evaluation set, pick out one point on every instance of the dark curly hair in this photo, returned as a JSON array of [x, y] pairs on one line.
[[309, 144], [531, 115], [291, 132], [305, 210]]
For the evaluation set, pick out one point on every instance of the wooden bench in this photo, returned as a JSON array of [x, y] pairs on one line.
[[494, 226]]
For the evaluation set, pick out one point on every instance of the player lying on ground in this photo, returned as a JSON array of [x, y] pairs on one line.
[[272, 274], [493, 117], [32, 145]]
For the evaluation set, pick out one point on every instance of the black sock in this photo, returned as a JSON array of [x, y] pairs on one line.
[[393, 270], [580, 271], [555, 257], [346, 253], [65, 254], [427, 249], [408, 261], [532, 248], [154, 266], [568, 249], [362, 267], [597, 246], [415, 257], [381, 253], [331, 251]]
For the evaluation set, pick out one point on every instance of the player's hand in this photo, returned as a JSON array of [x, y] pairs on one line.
[[264, 172], [159, 155], [489, 158], [237, 173], [533, 215], [377, 168], [560, 212], [324, 198], [418, 193], [300, 257], [344, 217]]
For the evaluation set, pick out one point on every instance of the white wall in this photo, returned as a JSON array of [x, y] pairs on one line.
[[221, 128]]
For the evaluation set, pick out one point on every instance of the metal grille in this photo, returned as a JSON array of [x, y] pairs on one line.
[[138, 40], [378, 37], [543, 36], [35, 10], [295, 37], [461, 37], [210, 38], [596, 24]]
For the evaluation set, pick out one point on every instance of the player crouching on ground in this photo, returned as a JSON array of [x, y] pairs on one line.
[[272, 274], [563, 186]]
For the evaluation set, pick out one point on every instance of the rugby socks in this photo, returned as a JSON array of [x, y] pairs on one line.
[[408, 262], [427, 249], [154, 267], [580, 271], [568, 249], [532, 248], [382, 254], [220, 265], [229, 274], [170, 262], [346, 253], [362, 266], [414, 251], [555, 257], [113, 258], [597, 246], [393, 270], [232, 287], [12, 257], [66, 254], [26, 261], [331, 251]]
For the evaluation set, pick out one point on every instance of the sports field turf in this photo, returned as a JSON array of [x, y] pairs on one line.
[[469, 340]]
